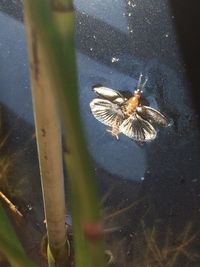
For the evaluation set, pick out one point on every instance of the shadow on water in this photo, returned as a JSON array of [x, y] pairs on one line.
[[153, 190]]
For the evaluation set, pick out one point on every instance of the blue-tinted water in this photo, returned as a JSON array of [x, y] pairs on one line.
[[116, 41]]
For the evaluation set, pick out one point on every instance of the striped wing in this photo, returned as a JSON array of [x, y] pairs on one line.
[[109, 94], [138, 129], [153, 116], [107, 112]]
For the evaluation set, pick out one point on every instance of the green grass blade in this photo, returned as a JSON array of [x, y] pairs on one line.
[[10, 245]]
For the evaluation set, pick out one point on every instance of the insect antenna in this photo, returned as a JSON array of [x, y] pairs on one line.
[[140, 85]]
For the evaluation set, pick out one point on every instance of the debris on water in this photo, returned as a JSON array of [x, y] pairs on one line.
[[129, 29], [29, 207], [130, 3], [114, 59]]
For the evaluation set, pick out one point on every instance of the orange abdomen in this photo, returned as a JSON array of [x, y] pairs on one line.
[[132, 104]]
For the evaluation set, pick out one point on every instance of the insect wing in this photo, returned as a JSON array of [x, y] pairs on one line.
[[110, 94], [106, 112], [153, 116], [138, 129]]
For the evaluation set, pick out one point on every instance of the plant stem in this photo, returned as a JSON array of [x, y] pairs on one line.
[[48, 136], [55, 30]]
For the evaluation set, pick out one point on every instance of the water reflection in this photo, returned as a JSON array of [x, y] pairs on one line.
[[15, 90]]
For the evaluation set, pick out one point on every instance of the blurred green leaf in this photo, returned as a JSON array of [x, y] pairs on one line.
[[10, 245]]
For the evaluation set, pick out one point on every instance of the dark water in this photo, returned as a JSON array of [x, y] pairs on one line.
[[154, 186]]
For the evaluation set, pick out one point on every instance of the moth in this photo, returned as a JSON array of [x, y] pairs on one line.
[[127, 115]]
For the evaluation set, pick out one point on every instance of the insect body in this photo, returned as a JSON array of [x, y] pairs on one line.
[[131, 104], [127, 115]]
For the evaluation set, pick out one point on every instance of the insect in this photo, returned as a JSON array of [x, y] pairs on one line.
[[127, 115]]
